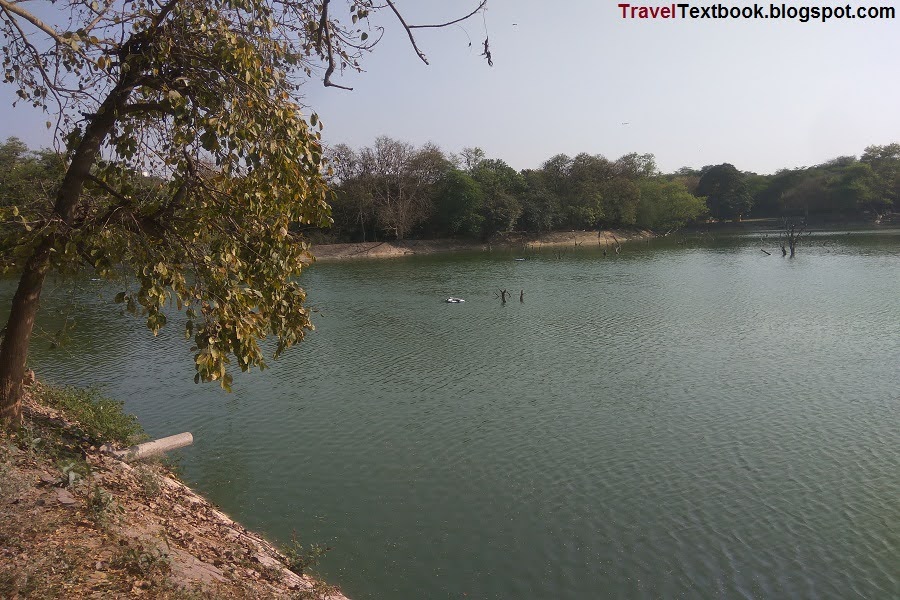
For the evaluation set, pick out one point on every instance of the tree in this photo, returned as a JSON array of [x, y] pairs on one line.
[[555, 172], [885, 162], [352, 207], [667, 205], [726, 192], [459, 203], [500, 185], [636, 166], [400, 180], [187, 161], [471, 158], [26, 178], [857, 188], [587, 176], [540, 206], [621, 196], [808, 194]]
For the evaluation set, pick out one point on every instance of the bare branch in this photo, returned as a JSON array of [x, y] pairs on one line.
[[324, 28], [109, 190], [10, 7], [99, 16], [34, 52], [471, 14], [323, 25], [412, 39]]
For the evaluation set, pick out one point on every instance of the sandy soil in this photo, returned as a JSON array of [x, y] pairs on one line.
[[122, 531], [394, 249]]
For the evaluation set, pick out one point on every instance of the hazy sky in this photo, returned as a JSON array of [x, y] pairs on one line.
[[567, 75]]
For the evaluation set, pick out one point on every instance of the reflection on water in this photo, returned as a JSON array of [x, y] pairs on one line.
[[690, 419]]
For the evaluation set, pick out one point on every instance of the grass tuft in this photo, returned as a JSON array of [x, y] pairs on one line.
[[101, 419]]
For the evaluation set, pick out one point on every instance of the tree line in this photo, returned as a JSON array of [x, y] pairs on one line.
[[394, 190]]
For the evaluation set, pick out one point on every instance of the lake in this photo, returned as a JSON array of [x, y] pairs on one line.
[[690, 419]]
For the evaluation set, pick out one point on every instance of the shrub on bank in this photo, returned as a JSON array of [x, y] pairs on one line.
[[100, 418]]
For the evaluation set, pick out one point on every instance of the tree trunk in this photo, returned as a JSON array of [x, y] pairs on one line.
[[14, 348]]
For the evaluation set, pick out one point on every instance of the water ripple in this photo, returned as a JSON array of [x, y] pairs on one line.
[[674, 422]]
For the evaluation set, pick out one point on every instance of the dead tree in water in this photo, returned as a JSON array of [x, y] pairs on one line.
[[521, 295], [618, 245], [792, 234], [502, 294]]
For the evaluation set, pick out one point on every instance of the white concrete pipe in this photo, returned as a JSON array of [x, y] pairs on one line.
[[154, 448]]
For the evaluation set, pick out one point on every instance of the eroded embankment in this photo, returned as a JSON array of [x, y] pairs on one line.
[[77, 523]]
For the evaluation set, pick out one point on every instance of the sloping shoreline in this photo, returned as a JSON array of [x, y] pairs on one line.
[[396, 249], [116, 530]]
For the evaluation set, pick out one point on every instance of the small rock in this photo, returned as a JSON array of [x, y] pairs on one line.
[[49, 479], [65, 497]]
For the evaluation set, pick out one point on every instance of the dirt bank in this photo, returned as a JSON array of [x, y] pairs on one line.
[[394, 249], [77, 523]]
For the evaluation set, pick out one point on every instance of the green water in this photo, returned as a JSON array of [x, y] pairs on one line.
[[692, 420]]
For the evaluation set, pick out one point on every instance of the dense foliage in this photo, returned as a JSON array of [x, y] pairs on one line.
[[186, 162], [471, 196], [393, 190], [843, 187]]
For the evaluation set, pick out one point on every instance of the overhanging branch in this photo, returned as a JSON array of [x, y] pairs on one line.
[[454, 22], [17, 10], [412, 38]]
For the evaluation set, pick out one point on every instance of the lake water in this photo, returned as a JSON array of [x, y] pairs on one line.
[[692, 420]]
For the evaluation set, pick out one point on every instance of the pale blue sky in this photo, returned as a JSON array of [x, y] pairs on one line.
[[760, 94]]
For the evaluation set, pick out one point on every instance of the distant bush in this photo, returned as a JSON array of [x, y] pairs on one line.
[[101, 419]]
